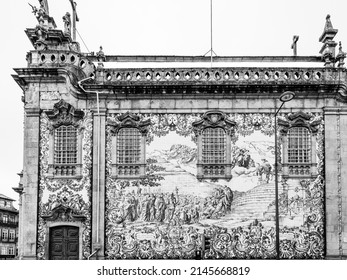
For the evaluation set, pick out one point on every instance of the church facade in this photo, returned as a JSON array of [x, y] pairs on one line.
[[181, 162]]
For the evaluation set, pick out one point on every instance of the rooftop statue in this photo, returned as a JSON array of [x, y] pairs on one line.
[[44, 6], [67, 23], [328, 24]]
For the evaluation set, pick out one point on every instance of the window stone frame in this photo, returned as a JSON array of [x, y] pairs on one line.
[[214, 119], [65, 114], [298, 119], [128, 120]]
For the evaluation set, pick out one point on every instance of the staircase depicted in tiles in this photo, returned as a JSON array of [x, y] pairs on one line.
[[253, 203]]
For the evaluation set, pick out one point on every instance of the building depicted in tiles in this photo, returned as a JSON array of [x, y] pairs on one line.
[[174, 162], [8, 228]]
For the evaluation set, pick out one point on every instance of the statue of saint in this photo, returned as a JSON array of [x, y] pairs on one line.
[[44, 6], [67, 23]]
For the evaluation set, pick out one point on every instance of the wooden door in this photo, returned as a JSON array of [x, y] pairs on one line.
[[64, 243]]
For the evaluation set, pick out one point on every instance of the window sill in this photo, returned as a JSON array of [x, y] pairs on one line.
[[53, 174], [77, 177]]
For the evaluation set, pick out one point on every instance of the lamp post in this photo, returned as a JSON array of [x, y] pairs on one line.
[[285, 97]]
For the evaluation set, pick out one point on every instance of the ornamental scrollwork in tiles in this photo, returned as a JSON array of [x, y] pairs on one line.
[[137, 226], [60, 199]]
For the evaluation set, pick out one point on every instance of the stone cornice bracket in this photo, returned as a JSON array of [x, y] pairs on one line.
[[328, 49], [64, 114], [214, 119], [298, 119], [64, 214], [128, 120]]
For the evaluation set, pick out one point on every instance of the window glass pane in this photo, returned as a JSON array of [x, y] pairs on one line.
[[65, 145], [128, 146], [214, 146], [299, 145]]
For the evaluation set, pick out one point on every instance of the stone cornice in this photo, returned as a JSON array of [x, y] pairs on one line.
[[182, 58], [236, 82]]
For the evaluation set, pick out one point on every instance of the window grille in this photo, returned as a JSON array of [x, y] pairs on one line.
[[4, 234], [299, 145], [128, 146], [11, 251], [3, 251], [214, 146], [65, 145], [12, 236]]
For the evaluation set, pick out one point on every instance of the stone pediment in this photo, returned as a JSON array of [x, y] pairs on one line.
[[299, 119], [129, 120]]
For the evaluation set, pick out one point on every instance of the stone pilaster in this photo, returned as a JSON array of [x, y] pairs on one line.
[[30, 183], [336, 182], [98, 189]]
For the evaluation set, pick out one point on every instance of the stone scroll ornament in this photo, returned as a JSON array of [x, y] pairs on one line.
[[65, 200]]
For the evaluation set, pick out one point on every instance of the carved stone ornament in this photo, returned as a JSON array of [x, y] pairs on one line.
[[299, 119], [214, 119], [129, 120], [64, 114], [63, 213]]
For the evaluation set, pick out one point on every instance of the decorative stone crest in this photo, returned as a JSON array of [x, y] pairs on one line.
[[214, 119], [299, 119], [129, 120], [64, 114]]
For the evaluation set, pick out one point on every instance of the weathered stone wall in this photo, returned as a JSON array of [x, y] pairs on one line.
[[336, 172]]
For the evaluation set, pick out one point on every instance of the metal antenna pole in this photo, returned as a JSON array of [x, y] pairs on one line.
[[211, 50], [211, 34]]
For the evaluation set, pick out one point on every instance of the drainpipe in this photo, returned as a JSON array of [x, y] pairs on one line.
[[98, 159]]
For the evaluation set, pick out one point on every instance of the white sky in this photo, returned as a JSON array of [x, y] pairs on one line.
[[157, 27]]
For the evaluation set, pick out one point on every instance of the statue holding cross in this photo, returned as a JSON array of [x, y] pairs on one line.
[[74, 19]]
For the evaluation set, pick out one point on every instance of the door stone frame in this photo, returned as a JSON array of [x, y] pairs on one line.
[[50, 225]]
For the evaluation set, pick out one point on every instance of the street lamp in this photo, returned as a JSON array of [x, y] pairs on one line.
[[285, 97]]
